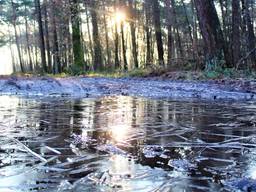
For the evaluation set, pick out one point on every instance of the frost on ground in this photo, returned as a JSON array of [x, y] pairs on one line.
[[144, 87]]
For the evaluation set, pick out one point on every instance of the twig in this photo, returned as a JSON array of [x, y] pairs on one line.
[[29, 150], [34, 167], [245, 57], [53, 150], [2, 125]]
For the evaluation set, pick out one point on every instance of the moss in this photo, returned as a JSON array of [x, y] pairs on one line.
[[138, 73], [74, 70], [60, 75], [212, 75]]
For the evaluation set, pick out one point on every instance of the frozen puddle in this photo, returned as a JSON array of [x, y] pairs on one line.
[[123, 143]]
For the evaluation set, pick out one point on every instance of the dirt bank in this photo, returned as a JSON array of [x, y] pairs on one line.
[[142, 87]]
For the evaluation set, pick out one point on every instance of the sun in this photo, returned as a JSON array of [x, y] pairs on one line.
[[119, 16]]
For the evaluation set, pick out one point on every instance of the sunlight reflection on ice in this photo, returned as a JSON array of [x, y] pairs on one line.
[[119, 132]]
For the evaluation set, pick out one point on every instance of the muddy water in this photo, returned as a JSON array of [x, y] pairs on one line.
[[126, 144]]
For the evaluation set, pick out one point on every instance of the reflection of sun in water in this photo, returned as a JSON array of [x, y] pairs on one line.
[[119, 16], [121, 119], [253, 173], [119, 132], [252, 169]]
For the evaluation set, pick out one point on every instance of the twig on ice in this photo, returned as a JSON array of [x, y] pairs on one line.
[[53, 150], [29, 150]]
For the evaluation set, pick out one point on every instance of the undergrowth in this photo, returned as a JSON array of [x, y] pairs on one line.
[[217, 73]]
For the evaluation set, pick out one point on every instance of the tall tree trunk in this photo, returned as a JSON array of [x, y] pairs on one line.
[[169, 28], [41, 35], [158, 32], [22, 48], [236, 22], [117, 64], [11, 51], [148, 33], [132, 17], [14, 20], [195, 37], [211, 32], [175, 23], [189, 30], [47, 41], [117, 61], [250, 30], [123, 46], [27, 42], [89, 34], [67, 38], [224, 18], [107, 41], [227, 31], [98, 60], [76, 35], [56, 55], [35, 47]]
